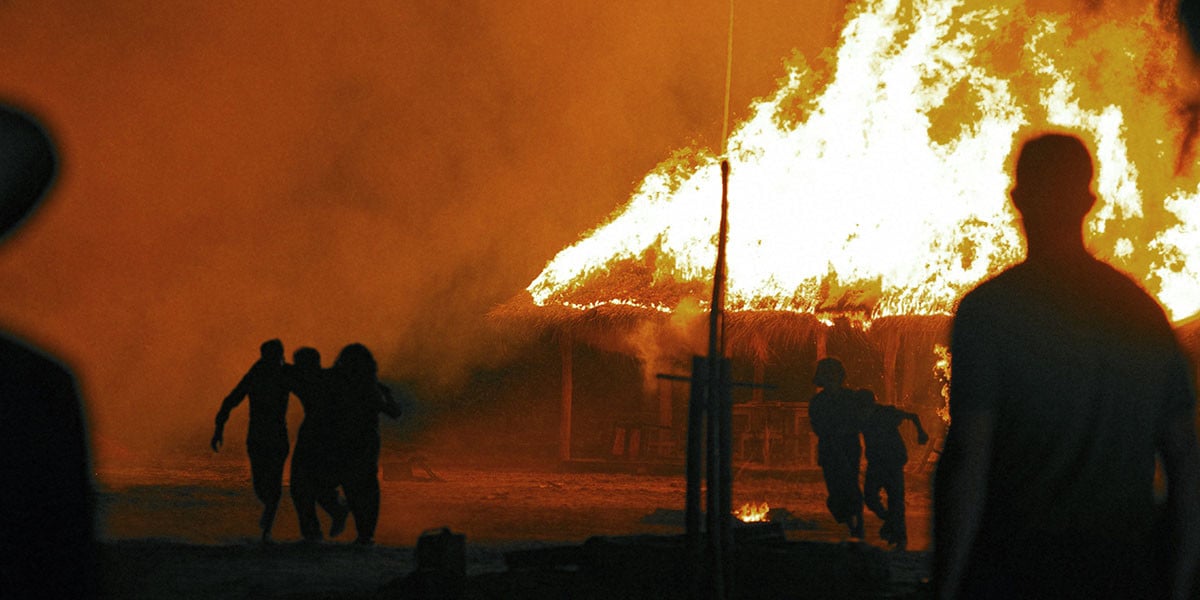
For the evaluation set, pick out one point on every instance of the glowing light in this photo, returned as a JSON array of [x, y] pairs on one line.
[[879, 186], [753, 512], [941, 372]]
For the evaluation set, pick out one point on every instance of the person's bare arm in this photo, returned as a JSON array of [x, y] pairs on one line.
[[960, 489], [961, 481], [922, 435], [1181, 462], [387, 402], [231, 401]]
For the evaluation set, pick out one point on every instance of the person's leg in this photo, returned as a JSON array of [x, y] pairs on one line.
[[897, 526], [329, 500], [873, 483], [845, 501], [855, 523], [855, 494], [368, 510], [266, 472], [304, 499]]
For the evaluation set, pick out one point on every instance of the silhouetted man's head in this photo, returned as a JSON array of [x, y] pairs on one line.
[[271, 351], [307, 358], [1189, 17], [1053, 189], [830, 373], [27, 167]]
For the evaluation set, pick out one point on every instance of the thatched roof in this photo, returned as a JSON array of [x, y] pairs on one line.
[[747, 332]]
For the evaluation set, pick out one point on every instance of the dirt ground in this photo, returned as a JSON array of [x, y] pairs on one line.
[[190, 530]]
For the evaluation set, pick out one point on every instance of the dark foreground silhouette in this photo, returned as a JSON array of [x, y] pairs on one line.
[[1068, 381], [47, 537]]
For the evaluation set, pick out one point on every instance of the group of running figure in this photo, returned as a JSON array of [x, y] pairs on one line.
[[838, 415], [337, 444]]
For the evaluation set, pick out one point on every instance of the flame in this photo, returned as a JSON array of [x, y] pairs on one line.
[[753, 513], [877, 184], [941, 372]]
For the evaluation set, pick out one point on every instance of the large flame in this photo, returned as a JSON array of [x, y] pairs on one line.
[[879, 183]]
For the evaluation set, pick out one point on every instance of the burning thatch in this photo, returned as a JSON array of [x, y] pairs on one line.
[[878, 187], [869, 195]]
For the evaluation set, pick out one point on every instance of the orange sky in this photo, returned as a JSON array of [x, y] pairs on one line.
[[385, 174]]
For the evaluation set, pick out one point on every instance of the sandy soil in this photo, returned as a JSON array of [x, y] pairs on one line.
[[190, 530]]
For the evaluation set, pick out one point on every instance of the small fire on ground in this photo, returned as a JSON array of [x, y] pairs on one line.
[[753, 512]]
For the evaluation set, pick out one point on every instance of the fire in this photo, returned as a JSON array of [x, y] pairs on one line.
[[941, 371], [877, 184], [753, 513]]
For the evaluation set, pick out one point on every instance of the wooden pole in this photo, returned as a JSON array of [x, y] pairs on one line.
[[695, 462], [568, 386], [666, 413], [760, 375], [892, 389], [725, 507]]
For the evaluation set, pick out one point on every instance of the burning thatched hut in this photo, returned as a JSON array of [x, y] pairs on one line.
[[771, 350], [867, 196]]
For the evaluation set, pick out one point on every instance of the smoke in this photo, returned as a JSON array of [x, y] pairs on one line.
[[383, 175]]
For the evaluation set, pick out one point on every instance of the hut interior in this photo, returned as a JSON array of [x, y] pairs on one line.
[[624, 379]]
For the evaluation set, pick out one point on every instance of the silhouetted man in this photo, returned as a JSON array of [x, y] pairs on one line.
[[360, 399], [314, 474], [47, 534], [1067, 382], [886, 457], [836, 414], [267, 437]]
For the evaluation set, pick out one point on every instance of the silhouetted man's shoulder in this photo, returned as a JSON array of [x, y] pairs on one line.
[[37, 396], [46, 528], [1082, 293]]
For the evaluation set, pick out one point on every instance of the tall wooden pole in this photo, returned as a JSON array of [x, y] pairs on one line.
[[693, 517], [719, 414]]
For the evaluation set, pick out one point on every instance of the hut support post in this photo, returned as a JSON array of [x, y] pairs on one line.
[[892, 389], [724, 507], [760, 376], [665, 396], [695, 466], [564, 423]]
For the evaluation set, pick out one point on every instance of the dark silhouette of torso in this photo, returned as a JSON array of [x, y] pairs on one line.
[[266, 387], [836, 417], [314, 388], [882, 443], [836, 421], [316, 463], [47, 547], [359, 399], [1085, 363], [47, 502], [1068, 384]]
